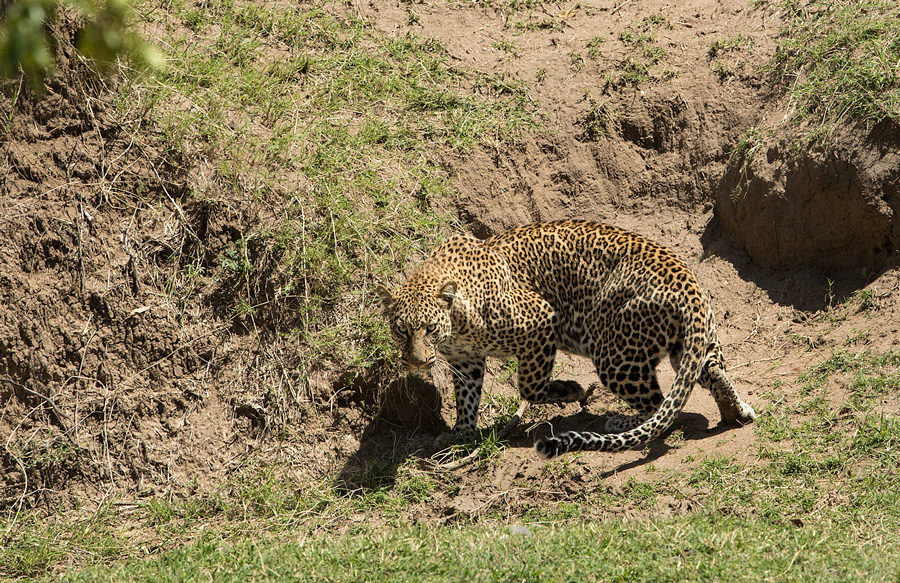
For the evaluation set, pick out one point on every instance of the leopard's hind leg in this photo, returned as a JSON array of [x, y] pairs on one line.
[[636, 384], [732, 408]]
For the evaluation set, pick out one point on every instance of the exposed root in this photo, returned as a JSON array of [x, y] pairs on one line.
[[57, 414]]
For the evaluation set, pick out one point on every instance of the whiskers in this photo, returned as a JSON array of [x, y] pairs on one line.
[[442, 366], [438, 370]]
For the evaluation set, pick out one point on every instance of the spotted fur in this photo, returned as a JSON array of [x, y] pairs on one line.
[[586, 288]]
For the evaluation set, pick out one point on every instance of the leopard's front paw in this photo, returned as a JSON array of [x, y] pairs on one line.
[[744, 415], [563, 392], [748, 415], [455, 437]]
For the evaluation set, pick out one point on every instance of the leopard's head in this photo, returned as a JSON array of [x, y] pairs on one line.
[[419, 317]]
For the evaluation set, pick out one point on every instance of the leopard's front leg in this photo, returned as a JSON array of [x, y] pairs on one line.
[[535, 369], [468, 377], [531, 329]]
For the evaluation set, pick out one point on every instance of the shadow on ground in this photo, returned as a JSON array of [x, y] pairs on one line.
[[406, 420]]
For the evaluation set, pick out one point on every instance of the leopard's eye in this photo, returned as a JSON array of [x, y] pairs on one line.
[[400, 327], [429, 329]]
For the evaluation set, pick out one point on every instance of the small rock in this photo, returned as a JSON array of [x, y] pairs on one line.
[[518, 529]]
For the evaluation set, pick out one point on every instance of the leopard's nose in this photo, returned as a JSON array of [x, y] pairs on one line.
[[415, 363], [418, 367]]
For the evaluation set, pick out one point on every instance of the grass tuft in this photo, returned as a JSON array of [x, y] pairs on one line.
[[838, 60]]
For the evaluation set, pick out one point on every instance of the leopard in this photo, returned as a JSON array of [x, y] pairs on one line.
[[587, 288]]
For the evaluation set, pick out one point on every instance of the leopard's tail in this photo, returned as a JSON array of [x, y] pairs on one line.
[[695, 342]]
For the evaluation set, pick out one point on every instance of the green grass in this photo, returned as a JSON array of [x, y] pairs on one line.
[[593, 46], [838, 60], [736, 43], [820, 501], [643, 52], [542, 24], [751, 142], [507, 47], [260, 499], [872, 375], [41, 544], [700, 547], [836, 459], [719, 48]]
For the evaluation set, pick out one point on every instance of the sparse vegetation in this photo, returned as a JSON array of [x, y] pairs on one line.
[[838, 60], [739, 42], [747, 146], [576, 60], [507, 47], [594, 45], [324, 87], [722, 70], [540, 24], [645, 52], [598, 120]]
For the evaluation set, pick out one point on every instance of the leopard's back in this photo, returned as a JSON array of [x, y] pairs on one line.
[[591, 272]]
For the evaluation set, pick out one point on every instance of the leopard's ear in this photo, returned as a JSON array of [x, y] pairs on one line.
[[448, 293], [387, 298]]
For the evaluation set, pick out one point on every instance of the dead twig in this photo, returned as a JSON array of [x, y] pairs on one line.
[[620, 6], [59, 415], [749, 362]]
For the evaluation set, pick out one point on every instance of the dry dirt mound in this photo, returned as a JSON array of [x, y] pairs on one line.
[[834, 207], [113, 387], [96, 370]]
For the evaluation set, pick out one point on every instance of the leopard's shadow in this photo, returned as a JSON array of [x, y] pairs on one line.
[[693, 426], [404, 419]]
